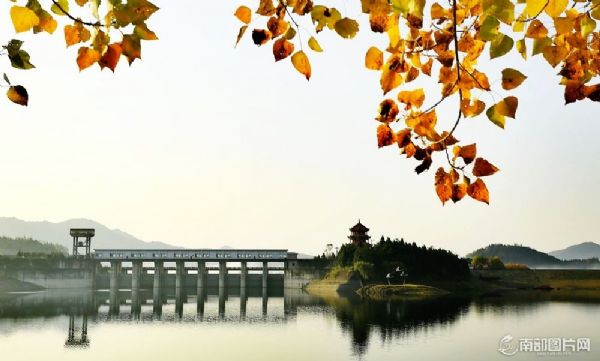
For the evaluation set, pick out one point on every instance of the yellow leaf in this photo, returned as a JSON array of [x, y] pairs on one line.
[[76, 33], [346, 28], [314, 45], [23, 19], [534, 7], [60, 7], [373, 58], [522, 48], [556, 7], [390, 79], [512, 78], [301, 63], [244, 14], [588, 25], [505, 108], [414, 98], [467, 152], [86, 57]]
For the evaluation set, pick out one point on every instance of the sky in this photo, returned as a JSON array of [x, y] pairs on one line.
[[201, 144]]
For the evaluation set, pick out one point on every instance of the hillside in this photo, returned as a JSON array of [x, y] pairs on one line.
[[532, 258], [11, 246], [518, 254], [579, 251], [59, 233]]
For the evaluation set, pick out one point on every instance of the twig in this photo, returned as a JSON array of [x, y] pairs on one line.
[[97, 23]]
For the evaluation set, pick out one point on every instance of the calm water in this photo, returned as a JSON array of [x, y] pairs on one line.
[[290, 326]]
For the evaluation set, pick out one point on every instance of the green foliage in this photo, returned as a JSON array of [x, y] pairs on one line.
[[418, 262], [495, 263], [479, 262], [29, 247], [365, 269]]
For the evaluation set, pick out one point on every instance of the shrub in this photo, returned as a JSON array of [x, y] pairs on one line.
[[365, 269], [520, 266], [495, 263]]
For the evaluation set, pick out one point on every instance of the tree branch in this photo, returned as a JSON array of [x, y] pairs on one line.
[[97, 23]]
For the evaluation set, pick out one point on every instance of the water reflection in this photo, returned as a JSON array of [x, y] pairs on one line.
[[361, 321]]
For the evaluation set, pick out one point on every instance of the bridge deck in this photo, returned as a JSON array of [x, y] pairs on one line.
[[208, 255]]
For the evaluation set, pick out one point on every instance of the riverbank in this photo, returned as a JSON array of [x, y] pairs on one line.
[[386, 292], [344, 281]]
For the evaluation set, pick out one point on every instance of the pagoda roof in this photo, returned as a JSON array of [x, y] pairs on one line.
[[359, 227]]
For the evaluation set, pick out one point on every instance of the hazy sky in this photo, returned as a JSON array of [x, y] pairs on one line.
[[204, 145]]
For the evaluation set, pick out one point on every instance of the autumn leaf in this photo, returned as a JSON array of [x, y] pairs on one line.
[[23, 18], [75, 34], [86, 57], [241, 33], [479, 191], [18, 57], [443, 185], [261, 36], [282, 49], [555, 7], [536, 30], [111, 57], [265, 8], [142, 32], [505, 108], [388, 111], [472, 107], [500, 46], [459, 191], [483, 168], [277, 26], [373, 58], [244, 14], [467, 152], [18, 94], [512, 78], [412, 98], [346, 28], [301, 63], [131, 47], [314, 45], [385, 136], [60, 7]]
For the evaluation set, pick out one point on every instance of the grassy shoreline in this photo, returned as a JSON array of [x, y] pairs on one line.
[[344, 281]]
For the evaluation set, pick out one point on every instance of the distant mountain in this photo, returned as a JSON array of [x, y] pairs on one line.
[[58, 233], [579, 251], [12, 246], [518, 254]]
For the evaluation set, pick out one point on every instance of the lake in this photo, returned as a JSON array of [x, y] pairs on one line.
[[291, 325]]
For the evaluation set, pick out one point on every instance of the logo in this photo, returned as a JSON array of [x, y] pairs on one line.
[[508, 346]]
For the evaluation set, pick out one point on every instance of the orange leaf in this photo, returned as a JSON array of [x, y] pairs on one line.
[[443, 185], [111, 56], [479, 191], [373, 58], [244, 14], [483, 168], [87, 57], [385, 136], [414, 98], [459, 190], [467, 152], [282, 49]]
